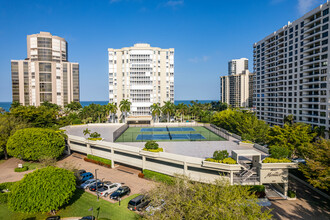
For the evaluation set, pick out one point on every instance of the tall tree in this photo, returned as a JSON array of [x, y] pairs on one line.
[[15, 105], [294, 137], [186, 199], [317, 167], [168, 109], [155, 111], [125, 107], [112, 109], [73, 106], [181, 108], [8, 126]]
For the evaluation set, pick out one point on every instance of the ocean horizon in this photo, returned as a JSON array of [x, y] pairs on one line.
[[6, 105]]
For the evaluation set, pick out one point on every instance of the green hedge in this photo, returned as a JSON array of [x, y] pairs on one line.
[[258, 188], [100, 159], [159, 177], [273, 160], [227, 160], [24, 168]]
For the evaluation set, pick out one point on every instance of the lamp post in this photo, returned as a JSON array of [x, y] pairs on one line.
[[97, 191]]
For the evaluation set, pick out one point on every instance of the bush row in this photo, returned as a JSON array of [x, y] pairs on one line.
[[227, 160], [159, 177], [98, 160], [273, 160], [24, 168]]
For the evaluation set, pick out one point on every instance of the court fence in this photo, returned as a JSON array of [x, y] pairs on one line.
[[174, 136]]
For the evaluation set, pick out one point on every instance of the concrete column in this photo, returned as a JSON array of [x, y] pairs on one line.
[[185, 168], [143, 162], [285, 188], [231, 177], [69, 149], [89, 149], [112, 158]]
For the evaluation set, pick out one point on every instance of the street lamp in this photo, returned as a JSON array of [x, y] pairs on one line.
[[97, 191]]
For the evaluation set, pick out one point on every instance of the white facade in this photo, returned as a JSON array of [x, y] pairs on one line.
[[291, 69], [46, 74], [235, 87], [142, 74]]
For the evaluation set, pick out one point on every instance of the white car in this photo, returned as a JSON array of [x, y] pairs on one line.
[[150, 210], [107, 189], [87, 183]]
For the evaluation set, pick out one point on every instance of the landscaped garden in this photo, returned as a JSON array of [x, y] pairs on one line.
[[198, 133], [79, 206]]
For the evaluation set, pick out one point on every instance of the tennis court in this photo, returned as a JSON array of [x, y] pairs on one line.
[[198, 133]]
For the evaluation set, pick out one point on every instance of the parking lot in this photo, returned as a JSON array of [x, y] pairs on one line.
[[126, 176]]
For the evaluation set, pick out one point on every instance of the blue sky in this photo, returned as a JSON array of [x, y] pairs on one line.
[[206, 34]]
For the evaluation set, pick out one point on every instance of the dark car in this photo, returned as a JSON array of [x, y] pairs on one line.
[[88, 218], [122, 191], [93, 186], [53, 218], [138, 203]]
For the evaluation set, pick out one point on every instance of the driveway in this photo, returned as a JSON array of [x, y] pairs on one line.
[[308, 205], [8, 174], [120, 174]]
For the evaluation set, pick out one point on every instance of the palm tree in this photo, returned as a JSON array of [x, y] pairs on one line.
[[125, 106], [168, 109], [155, 111], [181, 108], [112, 109]]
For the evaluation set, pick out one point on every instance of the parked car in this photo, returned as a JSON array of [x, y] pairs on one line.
[[81, 172], [53, 218], [86, 176], [122, 191], [151, 209], [88, 218], [89, 182], [138, 203], [97, 185], [107, 189]]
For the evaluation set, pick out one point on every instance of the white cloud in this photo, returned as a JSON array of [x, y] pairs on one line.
[[306, 5], [199, 59], [174, 3]]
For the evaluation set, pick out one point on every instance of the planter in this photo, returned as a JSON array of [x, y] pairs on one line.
[[242, 144], [221, 166], [149, 153], [278, 165]]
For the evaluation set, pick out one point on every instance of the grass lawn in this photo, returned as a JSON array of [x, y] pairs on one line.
[[131, 133], [32, 165], [78, 207]]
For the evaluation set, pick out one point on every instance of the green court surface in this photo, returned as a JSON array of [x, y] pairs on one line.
[[134, 134]]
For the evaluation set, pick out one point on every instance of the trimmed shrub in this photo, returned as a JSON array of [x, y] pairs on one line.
[[258, 188], [43, 190], [291, 194], [24, 168], [227, 160], [154, 150], [94, 135], [34, 143], [273, 160], [159, 177], [151, 145], [98, 160], [248, 142], [220, 154]]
